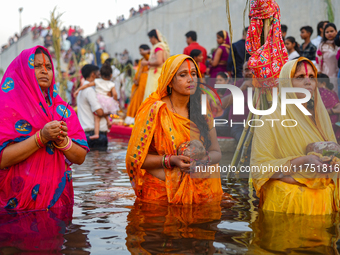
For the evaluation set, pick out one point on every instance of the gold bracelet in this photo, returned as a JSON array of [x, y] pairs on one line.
[[69, 148], [36, 141], [58, 147]]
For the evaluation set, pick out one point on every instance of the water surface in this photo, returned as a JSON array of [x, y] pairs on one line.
[[106, 219]]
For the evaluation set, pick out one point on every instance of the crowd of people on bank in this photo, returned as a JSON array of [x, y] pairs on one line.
[[133, 12]]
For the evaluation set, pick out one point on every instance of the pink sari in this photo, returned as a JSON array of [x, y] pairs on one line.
[[330, 99], [41, 181]]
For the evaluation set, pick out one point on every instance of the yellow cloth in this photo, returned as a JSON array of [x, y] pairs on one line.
[[155, 72], [104, 56], [280, 233], [137, 91], [278, 145], [158, 127]]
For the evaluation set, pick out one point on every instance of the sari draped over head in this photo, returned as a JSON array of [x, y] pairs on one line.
[[42, 180], [222, 66], [160, 130], [155, 72], [276, 146], [138, 89], [226, 42]]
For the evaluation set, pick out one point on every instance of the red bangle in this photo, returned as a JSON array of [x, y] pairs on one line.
[[39, 141], [167, 162]]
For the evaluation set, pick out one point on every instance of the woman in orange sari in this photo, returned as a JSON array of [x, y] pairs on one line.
[[164, 122], [138, 88]]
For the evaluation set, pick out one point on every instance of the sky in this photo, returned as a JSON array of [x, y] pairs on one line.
[[83, 13]]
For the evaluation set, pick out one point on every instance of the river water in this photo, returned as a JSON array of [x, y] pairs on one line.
[[106, 219]]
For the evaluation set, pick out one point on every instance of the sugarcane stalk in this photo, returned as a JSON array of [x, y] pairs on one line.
[[231, 35], [247, 143], [239, 145]]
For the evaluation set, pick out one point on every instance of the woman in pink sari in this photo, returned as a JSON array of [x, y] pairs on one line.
[[40, 136], [220, 55], [330, 100]]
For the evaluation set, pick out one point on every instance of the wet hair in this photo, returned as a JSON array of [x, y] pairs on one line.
[[42, 51], [87, 70], [195, 53], [324, 39], [194, 106], [324, 78], [309, 29], [144, 47], [220, 33], [106, 71], [284, 28], [153, 33], [192, 35], [320, 26], [292, 40]]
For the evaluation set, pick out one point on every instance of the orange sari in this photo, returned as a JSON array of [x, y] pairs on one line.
[[137, 91], [162, 130]]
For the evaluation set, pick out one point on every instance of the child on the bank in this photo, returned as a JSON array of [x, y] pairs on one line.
[[106, 95], [307, 49], [292, 47]]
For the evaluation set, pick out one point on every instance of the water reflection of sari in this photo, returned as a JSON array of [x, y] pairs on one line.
[[276, 146], [279, 233], [155, 72], [162, 130], [180, 229], [137, 92], [39, 231]]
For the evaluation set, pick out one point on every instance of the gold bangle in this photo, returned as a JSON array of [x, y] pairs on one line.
[[69, 148], [58, 147], [36, 141]]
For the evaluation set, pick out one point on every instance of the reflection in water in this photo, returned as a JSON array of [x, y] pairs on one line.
[[156, 228], [278, 233], [40, 232], [107, 220]]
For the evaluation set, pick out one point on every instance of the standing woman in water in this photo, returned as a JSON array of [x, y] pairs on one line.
[[166, 120], [40, 136]]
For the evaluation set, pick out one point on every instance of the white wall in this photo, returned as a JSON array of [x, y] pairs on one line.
[[177, 17], [207, 17]]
